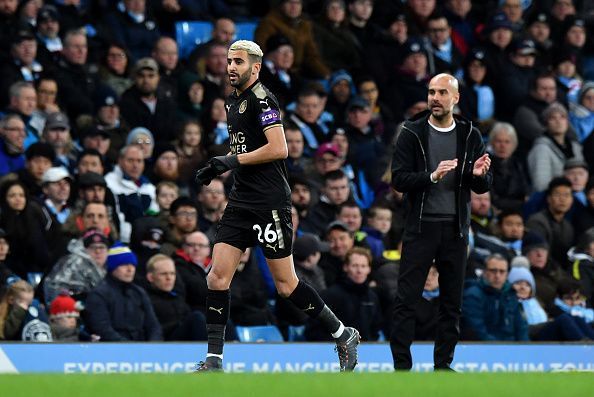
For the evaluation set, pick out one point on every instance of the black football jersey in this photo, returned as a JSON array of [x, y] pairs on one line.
[[249, 115]]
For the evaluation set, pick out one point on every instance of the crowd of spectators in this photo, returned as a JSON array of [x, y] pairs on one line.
[[102, 126]]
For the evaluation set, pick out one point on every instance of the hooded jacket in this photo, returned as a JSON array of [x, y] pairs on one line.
[[75, 272], [411, 173]]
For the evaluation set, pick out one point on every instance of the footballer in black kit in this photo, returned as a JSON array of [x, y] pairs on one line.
[[259, 209]]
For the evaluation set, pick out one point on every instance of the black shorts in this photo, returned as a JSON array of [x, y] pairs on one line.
[[270, 229]]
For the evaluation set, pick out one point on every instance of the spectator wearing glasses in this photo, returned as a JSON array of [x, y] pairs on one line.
[[12, 144], [192, 263], [490, 310], [183, 219]]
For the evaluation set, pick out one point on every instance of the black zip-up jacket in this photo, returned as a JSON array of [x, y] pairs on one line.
[[411, 173]]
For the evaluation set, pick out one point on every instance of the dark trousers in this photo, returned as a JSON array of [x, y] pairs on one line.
[[439, 241], [564, 327]]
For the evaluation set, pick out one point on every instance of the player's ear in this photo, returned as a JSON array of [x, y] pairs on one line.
[[256, 68]]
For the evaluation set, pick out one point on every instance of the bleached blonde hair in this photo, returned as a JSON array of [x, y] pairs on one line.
[[253, 50]]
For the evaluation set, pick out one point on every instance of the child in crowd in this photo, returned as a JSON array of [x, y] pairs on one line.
[[190, 149], [379, 222], [64, 320], [563, 327], [21, 318]]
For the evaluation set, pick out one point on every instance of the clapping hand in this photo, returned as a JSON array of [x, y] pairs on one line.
[[481, 166]]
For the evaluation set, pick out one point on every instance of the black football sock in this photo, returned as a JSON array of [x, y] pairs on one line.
[[307, 299], [217, 315]]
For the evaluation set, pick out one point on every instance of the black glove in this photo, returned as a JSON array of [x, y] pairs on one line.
[[205, 175], [222, 164]]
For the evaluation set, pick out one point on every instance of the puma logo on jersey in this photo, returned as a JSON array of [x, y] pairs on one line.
[[214, 309], [311, 307], [228, 107], [272, 247], [265, 102]]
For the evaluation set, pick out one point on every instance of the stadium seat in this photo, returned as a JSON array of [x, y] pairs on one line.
[[189, 34], [259, 333], [245, 30], [296, 333]]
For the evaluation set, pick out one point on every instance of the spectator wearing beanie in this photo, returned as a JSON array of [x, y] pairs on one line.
[[547, 274], [562, 327], [165, 167], [581, 116], [64, 315], [118, 310], [276, 73]]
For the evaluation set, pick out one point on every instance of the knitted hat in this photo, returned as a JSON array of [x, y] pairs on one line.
[[532, 241], [522, 274], [64, 306], [133, 134], [588, 85], [308, 244], [161, 148], [120, 255]]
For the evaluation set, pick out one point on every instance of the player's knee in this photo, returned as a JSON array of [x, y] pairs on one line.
[[285, 289], [215, 281]]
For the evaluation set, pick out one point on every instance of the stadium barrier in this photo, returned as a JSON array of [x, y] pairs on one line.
[[282, 357]]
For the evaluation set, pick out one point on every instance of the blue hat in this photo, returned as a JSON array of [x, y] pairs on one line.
[[522, 274], [498, 21], [119, 255], [340, 75]]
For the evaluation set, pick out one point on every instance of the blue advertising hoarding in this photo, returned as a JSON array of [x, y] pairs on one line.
[[282, 357]]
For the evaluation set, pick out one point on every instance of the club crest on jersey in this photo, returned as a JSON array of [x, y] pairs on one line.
[[269, 117], [243, 106]]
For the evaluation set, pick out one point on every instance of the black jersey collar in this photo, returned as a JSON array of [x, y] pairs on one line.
[[246, 90]]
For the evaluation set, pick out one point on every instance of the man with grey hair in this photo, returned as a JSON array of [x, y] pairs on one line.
[[259, 209], [135, 195], [23, 101], [510, 179], [439, 158]]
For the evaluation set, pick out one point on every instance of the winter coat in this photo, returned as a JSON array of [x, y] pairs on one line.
[[493, 315], [546, 161], [119, 311], [10, 162], [411, 175], [170, 308], [300, 34], [76, 272], [139, 37], [133, 201], [510, 183], [559, 235], [337, 45], [193, 277], [162, 122]]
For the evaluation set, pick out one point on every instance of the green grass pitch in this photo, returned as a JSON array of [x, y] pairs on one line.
[[302, 385]]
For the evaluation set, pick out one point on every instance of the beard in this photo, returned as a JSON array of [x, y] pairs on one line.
[[167, 174], [241, 80]]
